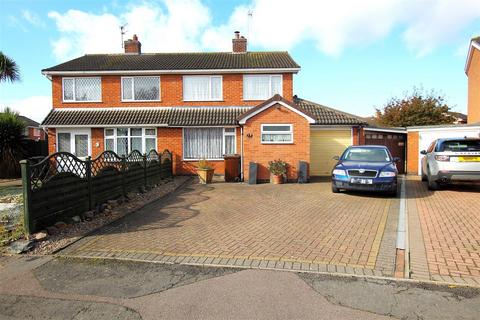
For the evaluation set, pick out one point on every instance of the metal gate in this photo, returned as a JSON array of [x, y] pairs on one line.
[[395, 142]]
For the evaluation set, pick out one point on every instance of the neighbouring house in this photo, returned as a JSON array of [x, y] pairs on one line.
[[32, 129], [472, 70], [197, 105], [458, 117]]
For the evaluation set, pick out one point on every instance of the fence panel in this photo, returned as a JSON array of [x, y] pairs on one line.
[[134, 171], [58, 189], [106, 178], [62, 185]]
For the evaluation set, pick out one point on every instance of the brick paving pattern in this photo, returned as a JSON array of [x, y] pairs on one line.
[[449, 226], [292, 226]]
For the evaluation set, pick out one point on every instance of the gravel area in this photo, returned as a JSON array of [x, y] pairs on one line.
[[76, 231]]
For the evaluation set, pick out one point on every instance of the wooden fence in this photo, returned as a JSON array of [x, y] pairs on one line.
[[62, 186]]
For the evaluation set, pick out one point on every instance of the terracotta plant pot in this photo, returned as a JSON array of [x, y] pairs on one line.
[[205, 175], [277, 179]]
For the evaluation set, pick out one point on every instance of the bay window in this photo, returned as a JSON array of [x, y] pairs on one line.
[[141, 88], [277, 133], [202, 88], [261, 87], [208, 143], [125, 140], [82, 89]]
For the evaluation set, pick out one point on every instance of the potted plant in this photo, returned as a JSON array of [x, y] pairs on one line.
[[205, 171], [278, 169]]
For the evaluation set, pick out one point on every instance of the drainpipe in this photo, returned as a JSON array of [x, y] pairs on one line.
[[241, 153]]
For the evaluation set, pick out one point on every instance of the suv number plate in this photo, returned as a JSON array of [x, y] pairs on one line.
[[361, 181]]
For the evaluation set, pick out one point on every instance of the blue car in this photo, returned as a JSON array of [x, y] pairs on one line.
[[365, 168]]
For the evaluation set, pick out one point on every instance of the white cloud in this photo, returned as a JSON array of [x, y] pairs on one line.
[[333, 26], [35, 107], [33, 18]]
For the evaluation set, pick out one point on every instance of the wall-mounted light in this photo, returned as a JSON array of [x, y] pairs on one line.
[[97, 144]]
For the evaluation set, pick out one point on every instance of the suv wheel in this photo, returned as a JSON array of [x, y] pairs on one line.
[[432, 184]]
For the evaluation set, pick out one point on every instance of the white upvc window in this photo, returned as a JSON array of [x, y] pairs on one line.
[[208, 143], [202, 88], [125, 140], [262, 86], [277, 133], [82, 89], [144, 88]]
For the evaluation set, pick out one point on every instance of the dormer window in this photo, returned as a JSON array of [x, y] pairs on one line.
[[82, 89], [261, 87], [202, 88], [141, 88]]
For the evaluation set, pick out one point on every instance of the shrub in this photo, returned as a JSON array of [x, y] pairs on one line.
[[11, 139], [277, 167], [204, 165]]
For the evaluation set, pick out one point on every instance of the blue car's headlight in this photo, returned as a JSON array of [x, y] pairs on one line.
[[387, 174], [339, 172]]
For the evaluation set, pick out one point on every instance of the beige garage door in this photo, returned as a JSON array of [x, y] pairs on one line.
[[324, 145]]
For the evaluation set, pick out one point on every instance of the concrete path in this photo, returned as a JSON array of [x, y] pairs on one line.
[[43, 288]]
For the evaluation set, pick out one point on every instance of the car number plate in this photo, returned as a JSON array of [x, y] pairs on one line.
[[362, 181], [468, 159]]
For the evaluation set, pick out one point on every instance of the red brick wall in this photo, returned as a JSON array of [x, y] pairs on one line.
[[261, 154], [358, 136], [52, 140], [171, 93], [97, 138], [474, 87], [412, 152]]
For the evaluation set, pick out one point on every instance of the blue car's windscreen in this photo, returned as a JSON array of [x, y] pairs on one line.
[[366, 154]]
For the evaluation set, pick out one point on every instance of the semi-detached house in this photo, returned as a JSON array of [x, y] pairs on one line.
[[197, 105]]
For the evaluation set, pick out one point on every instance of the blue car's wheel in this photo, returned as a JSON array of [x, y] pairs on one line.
[[335, 189]]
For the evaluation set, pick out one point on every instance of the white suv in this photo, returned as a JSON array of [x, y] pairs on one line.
[[450, 160]]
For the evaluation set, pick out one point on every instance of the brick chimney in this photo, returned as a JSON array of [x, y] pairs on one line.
[[133, 45], [239, 43]]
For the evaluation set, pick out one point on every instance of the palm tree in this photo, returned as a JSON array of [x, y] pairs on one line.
[[11, 148], [9, 70]]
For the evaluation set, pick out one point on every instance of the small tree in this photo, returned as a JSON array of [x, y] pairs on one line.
[[418, 108], [8, 69], [11, 151]]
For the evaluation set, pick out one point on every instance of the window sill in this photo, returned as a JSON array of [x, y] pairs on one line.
[[129, 101], [99, 101], [203, 100], [277, 142], [195, 160]]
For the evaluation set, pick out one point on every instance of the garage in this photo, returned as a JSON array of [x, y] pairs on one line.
[[324, 145], [424, 136], [393, 139]]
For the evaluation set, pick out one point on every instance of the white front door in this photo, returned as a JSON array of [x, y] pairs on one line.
[[76, 141]]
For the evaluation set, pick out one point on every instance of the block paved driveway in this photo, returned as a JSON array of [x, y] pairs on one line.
[[289, 226], [444, 229]]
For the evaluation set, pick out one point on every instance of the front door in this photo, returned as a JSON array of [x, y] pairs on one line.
[[76, 141], [81, 145]]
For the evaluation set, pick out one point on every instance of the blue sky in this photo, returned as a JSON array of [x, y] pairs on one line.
[[353, 60]]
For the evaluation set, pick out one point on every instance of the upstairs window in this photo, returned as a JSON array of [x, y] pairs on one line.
[[140, 88], [261, 87], [82, 89], [202, 88]]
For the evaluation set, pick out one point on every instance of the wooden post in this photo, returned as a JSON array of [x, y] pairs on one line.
[[171, 164], [88, 175], [145, 170], [26, 184], [124, 169]]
